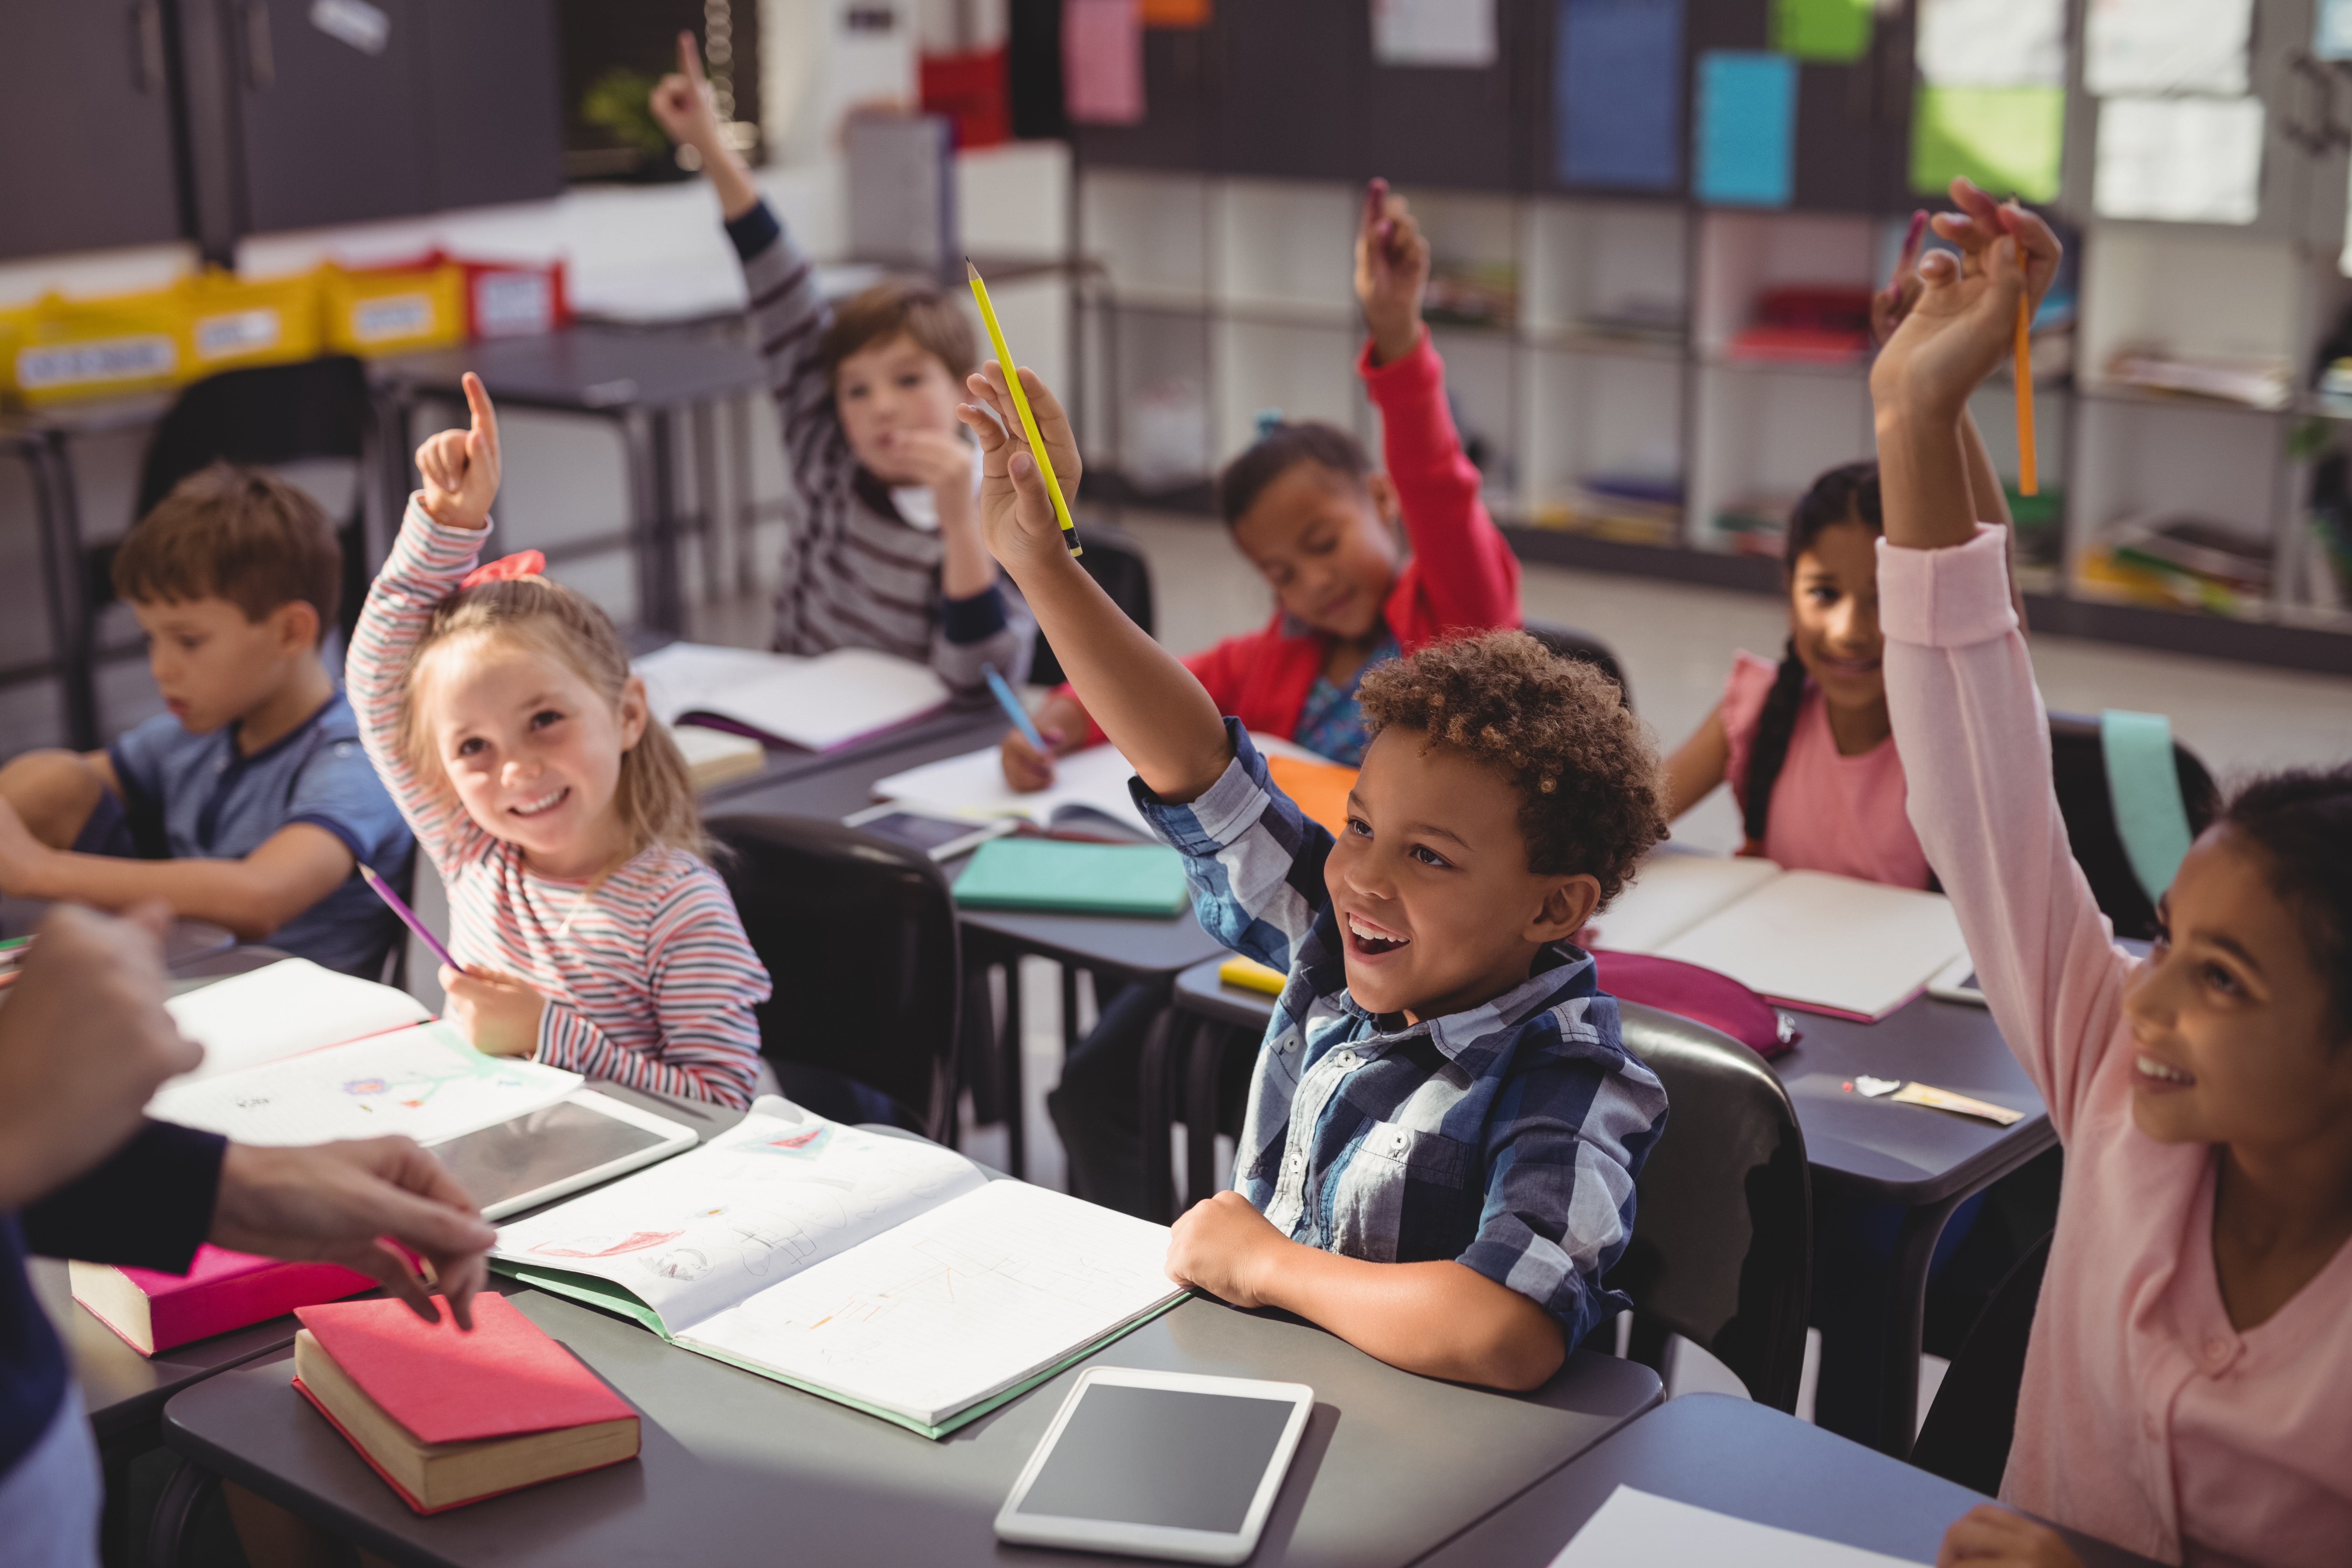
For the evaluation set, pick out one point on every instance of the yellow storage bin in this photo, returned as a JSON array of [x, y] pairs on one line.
[[393, 310], [232, 324], [66, 348]]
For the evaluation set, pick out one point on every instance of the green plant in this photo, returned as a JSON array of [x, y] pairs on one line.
[[616, 104]]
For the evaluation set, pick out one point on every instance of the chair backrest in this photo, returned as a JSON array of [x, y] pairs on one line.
[[1722, 1246], [859, 935], [266, 415], [1114, 561], [1590, 649], [1966, 1433], [2079, 772]]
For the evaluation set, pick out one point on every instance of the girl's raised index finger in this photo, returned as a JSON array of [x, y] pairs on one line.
[[478, 403], [689, 59]]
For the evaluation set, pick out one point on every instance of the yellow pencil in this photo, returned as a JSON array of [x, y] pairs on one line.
[[1021, 407], [2028, 482]]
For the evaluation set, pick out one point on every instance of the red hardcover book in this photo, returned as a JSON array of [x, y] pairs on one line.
[[221, 1291], [447, 1418]]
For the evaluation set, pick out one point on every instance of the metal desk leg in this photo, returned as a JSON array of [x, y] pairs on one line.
[[72, 640], [647, 437], [1203, 1068], [1009, 1067], [738, 455], [1163, 1049], [1914, 1250], [702, 421]]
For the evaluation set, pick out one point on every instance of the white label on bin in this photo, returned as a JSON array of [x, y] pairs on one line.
[[237, 333], [392, 316], [108, 359], [355, 22], [513, 304]]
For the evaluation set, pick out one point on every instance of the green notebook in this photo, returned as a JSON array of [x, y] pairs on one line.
[[1063, 878]]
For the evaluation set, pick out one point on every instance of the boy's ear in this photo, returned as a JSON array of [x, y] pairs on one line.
[[296, 627], [1566, 909]]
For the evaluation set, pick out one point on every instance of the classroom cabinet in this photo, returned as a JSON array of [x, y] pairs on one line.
[[86, 121]]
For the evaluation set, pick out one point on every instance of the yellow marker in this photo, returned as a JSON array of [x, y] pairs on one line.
[[1021, 407], [2028, 482]]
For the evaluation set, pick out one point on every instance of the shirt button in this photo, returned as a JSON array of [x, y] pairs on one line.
[[2217, 1351]]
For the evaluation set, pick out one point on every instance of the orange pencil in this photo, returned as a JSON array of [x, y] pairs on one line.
[[2028, 482]]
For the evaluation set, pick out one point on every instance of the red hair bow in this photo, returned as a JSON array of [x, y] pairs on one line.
[[506, 569]]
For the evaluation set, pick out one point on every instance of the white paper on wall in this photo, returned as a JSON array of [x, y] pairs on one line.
[[1434, 32], [2167, 45], [2179, 160], [1992, 43]]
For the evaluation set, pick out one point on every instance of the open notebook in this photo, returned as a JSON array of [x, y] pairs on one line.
[[298, 1054], [884, 1273], [1805, 939], [816, 703], [1090, 783]]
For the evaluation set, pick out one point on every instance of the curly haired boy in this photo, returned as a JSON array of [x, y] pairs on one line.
[[1444, 1128]]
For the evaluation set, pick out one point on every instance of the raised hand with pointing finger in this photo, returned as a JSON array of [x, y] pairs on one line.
[[461, 466], [682, 106], [1392, 272]]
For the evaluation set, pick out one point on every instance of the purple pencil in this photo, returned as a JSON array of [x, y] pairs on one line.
[[408, 916]]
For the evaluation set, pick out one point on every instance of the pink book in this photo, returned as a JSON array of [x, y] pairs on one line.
[[221, 1291]]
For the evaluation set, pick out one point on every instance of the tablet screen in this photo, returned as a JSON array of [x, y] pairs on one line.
[[918, 831], [1159, 1455], [528, 1153]]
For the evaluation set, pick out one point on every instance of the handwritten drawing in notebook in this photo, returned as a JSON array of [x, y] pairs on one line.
[[884, 1273]]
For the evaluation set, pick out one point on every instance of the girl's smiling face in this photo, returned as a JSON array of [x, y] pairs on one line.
[[1325, 545], [532, 749], [2230, 1019], [1833, 615]]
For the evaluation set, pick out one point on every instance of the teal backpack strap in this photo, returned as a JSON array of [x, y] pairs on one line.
[[2144, 786]]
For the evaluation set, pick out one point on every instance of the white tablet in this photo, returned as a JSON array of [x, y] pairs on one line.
[[1159, 1464], [581, 1139]]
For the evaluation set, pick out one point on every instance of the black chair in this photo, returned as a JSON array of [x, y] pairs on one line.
[[1723, 1229], [859, 936], [1966, 1434], [1113, 559], [1590, 650], [2078, 766]]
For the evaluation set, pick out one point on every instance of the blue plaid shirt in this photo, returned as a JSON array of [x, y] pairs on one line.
[[1505, 1137]]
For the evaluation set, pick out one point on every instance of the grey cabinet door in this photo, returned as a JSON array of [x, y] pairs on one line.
[[331, 110], [493, 123], [85, 127]]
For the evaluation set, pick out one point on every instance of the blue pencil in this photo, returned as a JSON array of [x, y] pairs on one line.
[[1015, 711]]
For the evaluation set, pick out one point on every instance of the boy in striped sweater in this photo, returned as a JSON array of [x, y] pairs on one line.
[[500, 710], [886, 551]]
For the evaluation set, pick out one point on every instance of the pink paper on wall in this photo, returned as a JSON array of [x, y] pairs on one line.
[[1102, 62]]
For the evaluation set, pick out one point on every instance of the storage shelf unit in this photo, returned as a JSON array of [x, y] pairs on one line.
[[1225, 222]]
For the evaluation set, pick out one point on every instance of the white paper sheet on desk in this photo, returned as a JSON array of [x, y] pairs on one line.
[[2179, 160], [424, 1082], [955, 1305], [1992, 43], [1639, 1529], [973, 786], [818, 702], [2167, 45], [290, 1006], [778, 1192]]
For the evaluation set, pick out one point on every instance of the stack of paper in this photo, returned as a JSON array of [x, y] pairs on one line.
[[1638, 1530], [815, 703], [1092, 781]]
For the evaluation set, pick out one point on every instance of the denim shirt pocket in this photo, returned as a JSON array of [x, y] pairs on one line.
[[1398, 1177]]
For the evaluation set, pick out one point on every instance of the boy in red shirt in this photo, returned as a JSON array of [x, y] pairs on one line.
[[1307, 506]]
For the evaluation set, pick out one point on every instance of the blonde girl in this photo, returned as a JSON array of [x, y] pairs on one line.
[[500, 710]]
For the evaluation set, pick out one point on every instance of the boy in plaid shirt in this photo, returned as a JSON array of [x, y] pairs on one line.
[[1444, 1128]]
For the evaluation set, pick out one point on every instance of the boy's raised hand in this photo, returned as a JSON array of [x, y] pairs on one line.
[[461, 466], [1016, 514], [1392, 272], [681, 101], [1964, 320]]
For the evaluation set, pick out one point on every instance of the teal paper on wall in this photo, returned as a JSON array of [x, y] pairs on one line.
[[1747, 128]]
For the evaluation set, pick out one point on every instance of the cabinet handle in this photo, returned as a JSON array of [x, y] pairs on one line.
[[146, 19], [260, 63]]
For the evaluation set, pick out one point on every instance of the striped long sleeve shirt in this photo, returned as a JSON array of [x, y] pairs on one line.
[[1505, 1137], [859, 572], [649, 979]]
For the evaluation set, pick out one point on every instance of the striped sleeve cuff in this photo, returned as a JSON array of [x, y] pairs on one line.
[[1952, 597]]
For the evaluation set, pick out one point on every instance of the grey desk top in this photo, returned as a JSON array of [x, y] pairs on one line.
[[586, 369], [1749, 1461], [735, 1468], [1897, 1153]]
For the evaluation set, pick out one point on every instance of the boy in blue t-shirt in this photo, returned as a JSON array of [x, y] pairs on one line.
[[250, 802]]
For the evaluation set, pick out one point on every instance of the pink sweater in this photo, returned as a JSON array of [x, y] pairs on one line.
[[2144, 1418]]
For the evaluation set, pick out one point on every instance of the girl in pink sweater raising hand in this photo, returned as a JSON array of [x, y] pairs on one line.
[[2188, 1389]]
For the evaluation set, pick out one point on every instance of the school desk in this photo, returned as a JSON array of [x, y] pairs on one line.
[[185, 942], [1113, 947], [1751, 1462], [1926, 1162], [738, 1469]]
